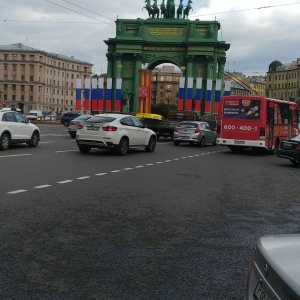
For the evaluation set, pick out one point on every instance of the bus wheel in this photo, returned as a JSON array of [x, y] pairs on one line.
[[295, 163], [236, 149]]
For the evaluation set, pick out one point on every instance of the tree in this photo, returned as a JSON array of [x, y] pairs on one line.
[[162, 109]]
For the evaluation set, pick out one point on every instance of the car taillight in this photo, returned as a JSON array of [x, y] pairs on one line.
[[176, 129], [109, 128], [79, 126], [71, 123], [197, 129], [262, 131]]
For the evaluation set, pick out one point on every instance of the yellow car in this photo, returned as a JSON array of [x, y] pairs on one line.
[[149, 116]]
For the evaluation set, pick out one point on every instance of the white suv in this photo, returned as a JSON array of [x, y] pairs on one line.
[[15, 129]]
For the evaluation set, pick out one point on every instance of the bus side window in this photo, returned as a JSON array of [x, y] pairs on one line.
[[270, 116]]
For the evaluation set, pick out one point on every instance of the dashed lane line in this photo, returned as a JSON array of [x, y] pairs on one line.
[[116, 171], [17, 192], [17, 155], [65, 151]]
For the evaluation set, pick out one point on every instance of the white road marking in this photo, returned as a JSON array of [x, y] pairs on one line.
[[114, 171], [42, 186], [65, 151], [17, 192], [65, 181], [17, 155], [49, 142]]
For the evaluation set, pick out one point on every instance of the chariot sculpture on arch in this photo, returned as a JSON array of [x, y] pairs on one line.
[[168, 10]]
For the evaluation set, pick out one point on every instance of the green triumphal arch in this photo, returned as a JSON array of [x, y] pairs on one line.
[[165, 37]]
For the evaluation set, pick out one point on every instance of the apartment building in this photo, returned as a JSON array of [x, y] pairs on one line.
[[283, 81], [32, 79], [165, 83]]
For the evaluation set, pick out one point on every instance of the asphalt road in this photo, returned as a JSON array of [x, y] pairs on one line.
[[179, 223]]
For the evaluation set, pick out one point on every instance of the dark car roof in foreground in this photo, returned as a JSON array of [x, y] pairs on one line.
[[283, 252]]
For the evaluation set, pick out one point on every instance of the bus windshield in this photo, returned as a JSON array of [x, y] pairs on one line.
[[241, 109]]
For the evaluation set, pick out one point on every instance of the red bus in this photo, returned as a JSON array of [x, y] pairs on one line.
[[255, 122]]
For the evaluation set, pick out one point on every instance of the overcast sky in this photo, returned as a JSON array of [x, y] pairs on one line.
[[259, 31]]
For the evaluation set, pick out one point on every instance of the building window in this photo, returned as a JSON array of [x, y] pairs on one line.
[[13, 87], [5, 67], [23, 57], [22, 67], [14, 56], [5, 56], [31, 57], [22, 98], [22, 88], [31, 78], [14, 67]]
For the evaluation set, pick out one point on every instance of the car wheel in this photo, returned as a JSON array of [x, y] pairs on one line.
[[66, 123], [34, 140], [215, 142], [123, 146], [4, 142], [202, 142], [84, 149], [151, 145], [176, 143], [295, 163]]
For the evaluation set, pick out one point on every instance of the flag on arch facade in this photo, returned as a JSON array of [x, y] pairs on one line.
[[109, 94], [198, 94], [208, 96], [78, 94], [217, 95], [181, 93], [87, 87]]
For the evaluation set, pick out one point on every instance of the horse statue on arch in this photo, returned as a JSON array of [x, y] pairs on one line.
[[179, 10], [153, 10], [163, 9], [187, 9]]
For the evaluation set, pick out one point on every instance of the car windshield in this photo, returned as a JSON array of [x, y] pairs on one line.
[[100, 119], [81, 118], [296, 138]]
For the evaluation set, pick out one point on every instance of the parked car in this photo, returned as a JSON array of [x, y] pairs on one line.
[[274, 272], [114, 131], [69, 116], [194, 132], [72, 129], [34, 115], [290, 149], [16, 129]]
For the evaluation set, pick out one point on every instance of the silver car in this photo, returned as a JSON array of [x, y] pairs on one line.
[[194, 132], [274, 272], [72, 129]]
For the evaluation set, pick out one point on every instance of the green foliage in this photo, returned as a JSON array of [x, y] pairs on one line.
[[162, 109]]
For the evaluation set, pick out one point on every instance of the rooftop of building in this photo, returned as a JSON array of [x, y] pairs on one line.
[[19, 47]]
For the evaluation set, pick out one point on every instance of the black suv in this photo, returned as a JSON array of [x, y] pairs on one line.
[[68, 116]]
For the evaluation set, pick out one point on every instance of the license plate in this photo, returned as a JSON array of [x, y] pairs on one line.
[[239, 142], [92, 128], [260, 294], [184, 137]]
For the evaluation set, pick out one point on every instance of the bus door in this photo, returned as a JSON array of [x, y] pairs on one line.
[[271, 124]]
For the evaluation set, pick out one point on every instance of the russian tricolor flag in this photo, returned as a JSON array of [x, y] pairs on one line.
[[87, 87], [227, 87], [208, 95], [100, 93], [189, 99], [217, 95], [108, 94], [94, 94], [198, 94], [181, 93], [118, 95], [78, 94]]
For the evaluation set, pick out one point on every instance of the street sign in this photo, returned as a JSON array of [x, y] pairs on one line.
[[143, 91]]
